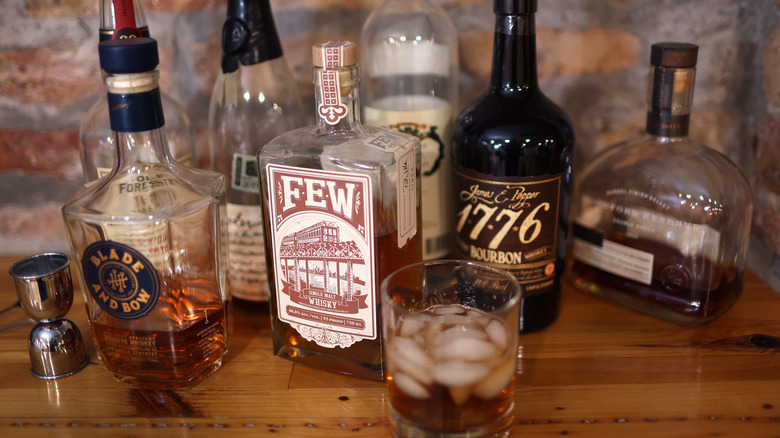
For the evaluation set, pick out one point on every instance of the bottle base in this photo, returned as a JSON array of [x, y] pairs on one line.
[[331, 363], [168, 384], [537, 312], [684, 308], [403, 428]]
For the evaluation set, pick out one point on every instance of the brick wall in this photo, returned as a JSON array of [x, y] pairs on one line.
[[593, 57]]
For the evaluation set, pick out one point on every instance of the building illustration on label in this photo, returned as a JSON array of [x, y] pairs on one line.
[[308, 257], [323, 254]]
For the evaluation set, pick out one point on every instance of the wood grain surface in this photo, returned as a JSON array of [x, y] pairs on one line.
[[599, 370]]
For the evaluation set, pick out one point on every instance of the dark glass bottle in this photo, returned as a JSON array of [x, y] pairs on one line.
[[512, 161]]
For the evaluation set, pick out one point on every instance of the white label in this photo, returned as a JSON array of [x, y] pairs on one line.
[[430, 119], [617, 259], [244, 175], [323, 241], [246, 260]]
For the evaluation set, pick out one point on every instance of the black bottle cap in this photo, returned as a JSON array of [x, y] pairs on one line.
[[674, 55], [514, 7], [249, 34], [128, 55]]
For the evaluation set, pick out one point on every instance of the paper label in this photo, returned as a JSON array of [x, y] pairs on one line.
[[248, 273], [323, 241], [510, 224]]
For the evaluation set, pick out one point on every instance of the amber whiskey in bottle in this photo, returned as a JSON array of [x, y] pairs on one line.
[[661, 223], [512, 162], [341, 207], [149, 239]]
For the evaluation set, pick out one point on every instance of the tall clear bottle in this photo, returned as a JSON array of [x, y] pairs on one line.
[[341, 213], [255, 99], [409, 58], [149, 240], [512, 161], [126, 19], [660, 223]]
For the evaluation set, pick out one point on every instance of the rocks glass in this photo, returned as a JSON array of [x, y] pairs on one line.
[[450, 331]]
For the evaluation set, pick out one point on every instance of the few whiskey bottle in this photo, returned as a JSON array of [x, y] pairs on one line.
[[255, 98], [512, 161], [149, 240], [341, 207], [409, 60], [661, 223], [121, 19]]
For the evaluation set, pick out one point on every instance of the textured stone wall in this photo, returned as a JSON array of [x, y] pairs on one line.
[[593, 61]]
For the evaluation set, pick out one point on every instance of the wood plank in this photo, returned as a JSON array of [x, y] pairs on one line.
[[600, 370]]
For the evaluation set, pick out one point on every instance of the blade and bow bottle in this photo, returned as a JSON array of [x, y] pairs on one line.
[[149, 240], [341, 213], [409, 60], [660, 223], [512, 161], [120, 19], [255, 98]]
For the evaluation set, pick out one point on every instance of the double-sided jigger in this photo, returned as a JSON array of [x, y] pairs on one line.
[[45, 290]]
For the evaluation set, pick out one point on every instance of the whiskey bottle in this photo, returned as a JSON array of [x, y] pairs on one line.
[[409, 60], [661, 223], [149, 240], [121, 19], [512, 161], [255, 98], [341, 208]]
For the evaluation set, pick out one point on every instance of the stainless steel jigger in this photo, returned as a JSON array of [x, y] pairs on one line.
[[45, 290]]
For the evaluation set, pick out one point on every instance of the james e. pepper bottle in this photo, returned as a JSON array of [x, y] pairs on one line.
[[341, 213], [120, 19], [512, 162], [149, 240], [255, 98], [660, 223]]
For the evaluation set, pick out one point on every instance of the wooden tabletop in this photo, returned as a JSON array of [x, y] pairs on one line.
[[599, 370]]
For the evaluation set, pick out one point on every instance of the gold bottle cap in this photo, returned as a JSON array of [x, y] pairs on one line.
[[334, 54]]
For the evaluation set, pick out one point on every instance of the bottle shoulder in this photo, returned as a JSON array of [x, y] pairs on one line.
[[645, 168], [667, 155], [370, 148], [150, 191], [494, 117]]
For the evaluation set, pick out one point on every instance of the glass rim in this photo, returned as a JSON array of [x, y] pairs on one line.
[[21, 269], [514, 300]]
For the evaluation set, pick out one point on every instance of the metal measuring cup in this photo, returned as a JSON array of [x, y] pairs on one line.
[[45, 290]]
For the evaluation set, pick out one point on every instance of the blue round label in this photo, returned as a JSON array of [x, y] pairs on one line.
[[120, 279]]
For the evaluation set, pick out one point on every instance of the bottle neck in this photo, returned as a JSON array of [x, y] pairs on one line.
[[669, 101], [122, 19], [136, 117], [249, 34], [514, 54], [337, 100]]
